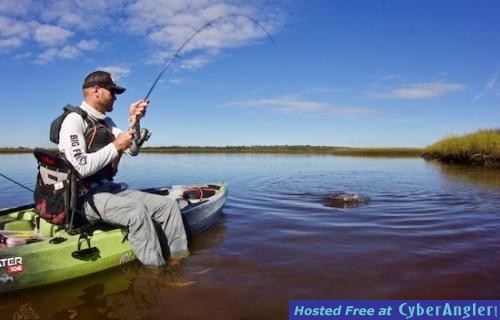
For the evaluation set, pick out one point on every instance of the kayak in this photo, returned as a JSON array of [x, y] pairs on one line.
[[32, 255]]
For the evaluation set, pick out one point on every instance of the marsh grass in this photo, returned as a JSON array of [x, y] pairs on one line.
[[378, 152], [481, 147], [293, 149], [283, 149], [15, 150]]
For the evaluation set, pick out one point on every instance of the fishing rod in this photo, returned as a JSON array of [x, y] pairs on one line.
[[142, 136]]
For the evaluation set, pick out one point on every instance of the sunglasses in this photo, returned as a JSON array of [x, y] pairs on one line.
[[112, 90]]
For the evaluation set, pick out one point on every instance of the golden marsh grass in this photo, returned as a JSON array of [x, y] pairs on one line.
[[481, 147]]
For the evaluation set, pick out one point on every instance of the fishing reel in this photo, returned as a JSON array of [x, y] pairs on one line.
[[143, 137]]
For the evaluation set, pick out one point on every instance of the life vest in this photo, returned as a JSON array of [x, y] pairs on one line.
[[97, 136]]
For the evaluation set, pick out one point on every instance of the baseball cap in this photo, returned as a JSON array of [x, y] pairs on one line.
[[102, 79]]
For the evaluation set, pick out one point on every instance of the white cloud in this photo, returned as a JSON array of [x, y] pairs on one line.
[[420, 91], [68, 52], [10, 43], [118, 72], [13, 28], [287, 104], [164, 24], [177, 82], [13, 33], [76, 14], [50, 54], [295, 105], [146, 15], [47, 56], [489, 85], [167, 24], [18, 7], [87, 44], [51, 24], [195, 62], [49, 35], [158, 57], [23, 55]]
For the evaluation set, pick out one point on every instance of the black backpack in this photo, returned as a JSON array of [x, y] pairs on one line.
[[55, 126]]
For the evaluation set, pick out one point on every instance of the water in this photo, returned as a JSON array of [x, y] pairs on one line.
[[427, 232]]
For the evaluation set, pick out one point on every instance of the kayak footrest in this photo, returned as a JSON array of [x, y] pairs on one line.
[[86, 254]]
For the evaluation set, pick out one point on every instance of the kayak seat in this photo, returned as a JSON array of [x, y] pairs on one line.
[[60, 193]]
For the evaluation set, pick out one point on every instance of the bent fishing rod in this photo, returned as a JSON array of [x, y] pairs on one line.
[[143, 136]]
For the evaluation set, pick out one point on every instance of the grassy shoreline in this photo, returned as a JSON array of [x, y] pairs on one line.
[[286, 149], [481, 148], [296, 149], [15, 150]]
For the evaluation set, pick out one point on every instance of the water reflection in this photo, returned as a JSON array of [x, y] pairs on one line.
[[58, 299], [131, 291], [134, 302], [476, 175]]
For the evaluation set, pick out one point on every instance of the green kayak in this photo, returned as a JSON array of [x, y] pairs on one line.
[[31, 256]]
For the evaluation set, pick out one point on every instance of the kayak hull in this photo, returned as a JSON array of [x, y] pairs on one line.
[[57, 256]]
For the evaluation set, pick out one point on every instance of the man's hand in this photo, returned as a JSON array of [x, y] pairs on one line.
[[137, 111], [123, 141]]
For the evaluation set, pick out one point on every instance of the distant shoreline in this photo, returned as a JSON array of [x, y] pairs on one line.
[[286, 149], [374, 152], [481, 148], [15, 150]]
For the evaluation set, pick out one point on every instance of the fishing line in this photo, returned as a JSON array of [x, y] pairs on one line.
[[50, 198], [18, 183], [141, 137]]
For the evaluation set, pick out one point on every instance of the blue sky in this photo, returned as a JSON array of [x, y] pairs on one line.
[[343, 73]]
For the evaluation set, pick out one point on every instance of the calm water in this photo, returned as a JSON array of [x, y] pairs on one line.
[[428, 232]]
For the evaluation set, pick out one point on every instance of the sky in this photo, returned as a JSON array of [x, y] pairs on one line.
[[356, 73]]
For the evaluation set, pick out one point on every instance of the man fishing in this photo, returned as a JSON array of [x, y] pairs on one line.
[[93, 144]]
